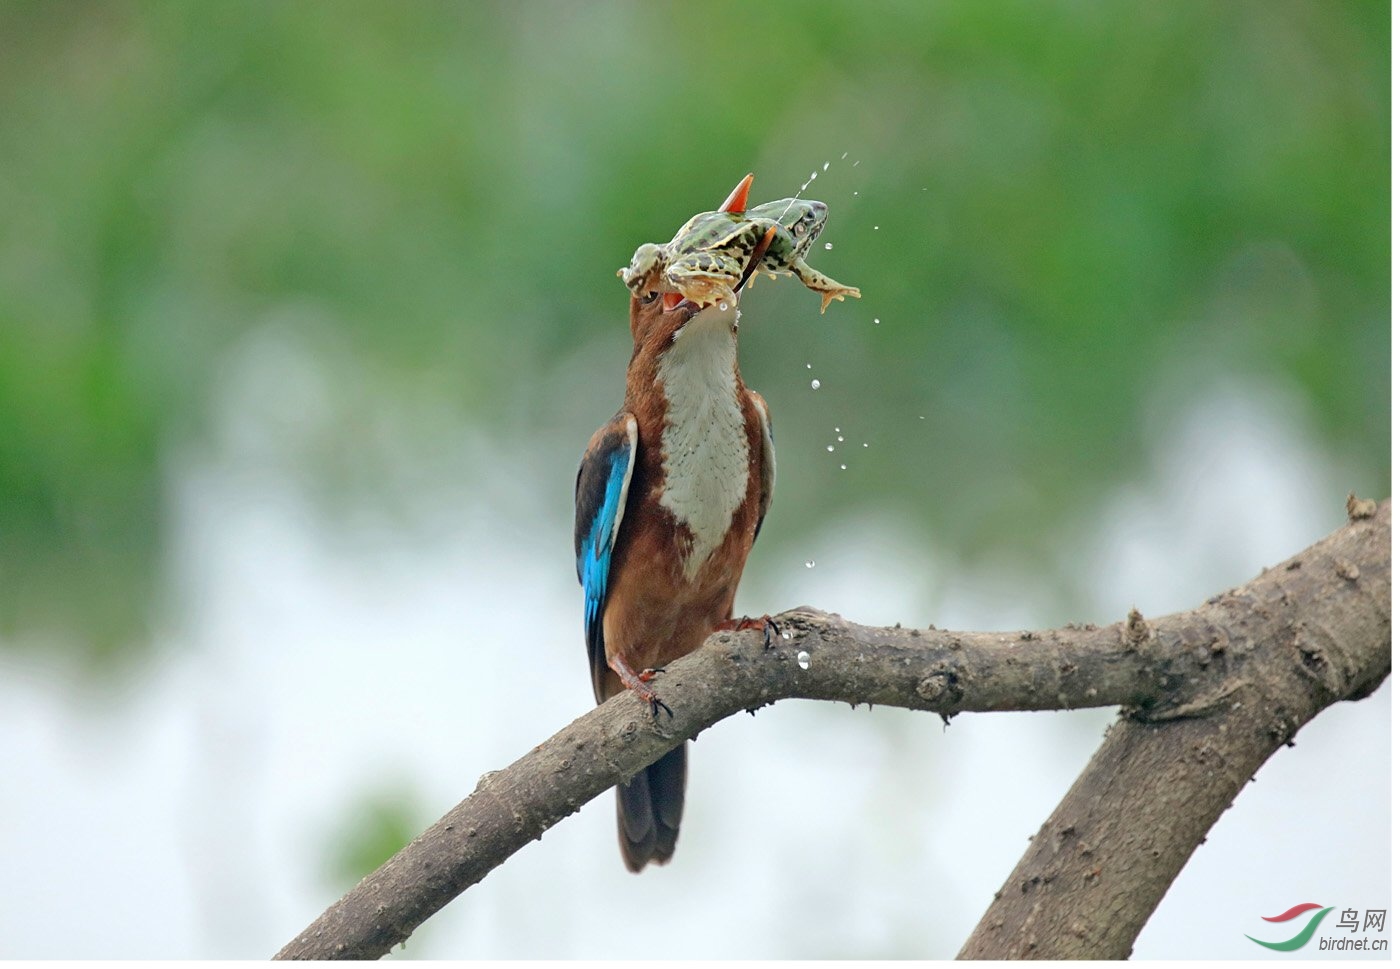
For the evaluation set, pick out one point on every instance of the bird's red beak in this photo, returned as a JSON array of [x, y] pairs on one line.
[[739, 198], [737, 202]]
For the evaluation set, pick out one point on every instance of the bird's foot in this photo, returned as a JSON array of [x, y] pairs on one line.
[[637, 683], [766, 623]]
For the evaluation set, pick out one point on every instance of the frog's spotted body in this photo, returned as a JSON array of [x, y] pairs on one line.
[[707, 257]]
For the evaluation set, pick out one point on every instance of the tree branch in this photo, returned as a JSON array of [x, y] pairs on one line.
[[1208, 695], [1272, 656]]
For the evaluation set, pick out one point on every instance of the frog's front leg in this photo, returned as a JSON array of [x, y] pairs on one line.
[[705, 277], [822, 283]]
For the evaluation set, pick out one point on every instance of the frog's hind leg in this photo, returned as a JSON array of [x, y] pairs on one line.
[[640, 275], [822, 283], [704, 277]]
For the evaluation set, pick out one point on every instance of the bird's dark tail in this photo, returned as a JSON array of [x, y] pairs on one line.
[[649, 811]]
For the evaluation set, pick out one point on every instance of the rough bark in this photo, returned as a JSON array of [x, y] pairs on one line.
[[1208, 695], [1302, 636]]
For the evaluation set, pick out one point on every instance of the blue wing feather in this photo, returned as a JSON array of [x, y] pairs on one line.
[[600, 498]]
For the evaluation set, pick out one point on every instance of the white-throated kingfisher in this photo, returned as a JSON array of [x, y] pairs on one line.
[[669, 499]]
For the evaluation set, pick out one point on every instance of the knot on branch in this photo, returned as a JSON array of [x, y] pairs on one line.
[[1136, 632], [1360, 507]]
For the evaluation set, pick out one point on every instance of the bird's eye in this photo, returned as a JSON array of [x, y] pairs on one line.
[[800, 229]]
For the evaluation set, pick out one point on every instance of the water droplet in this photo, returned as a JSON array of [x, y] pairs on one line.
[[843, 467], [804, 659], [830, 448], [921, 417], [863, 444], [855, 193], [839, 438], [816, 385], [787, 634], [812, 178], [837, 430], [811, 564], [809, 366], [877, 321], [826, 165], [877, 228], [855, 163], [844, 154], [827, 247]]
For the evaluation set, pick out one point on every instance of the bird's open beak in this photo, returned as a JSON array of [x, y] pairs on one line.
[[737, 202]]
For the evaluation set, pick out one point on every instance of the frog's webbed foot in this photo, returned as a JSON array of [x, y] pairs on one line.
[[704, 278], [838, 294], [704, 290], [824, 284]]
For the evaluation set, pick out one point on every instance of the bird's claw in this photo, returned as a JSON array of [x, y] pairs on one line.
[[765, 623], [770, 629], [654, 701], [637, 683]]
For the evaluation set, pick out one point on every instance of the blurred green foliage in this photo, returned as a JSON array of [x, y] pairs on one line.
[[378, 826], [1073, 199]]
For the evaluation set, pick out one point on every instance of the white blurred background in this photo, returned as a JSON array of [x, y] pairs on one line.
[[190, 814]]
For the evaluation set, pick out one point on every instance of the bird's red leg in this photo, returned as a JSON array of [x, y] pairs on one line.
[[637, 683], [765, 623]]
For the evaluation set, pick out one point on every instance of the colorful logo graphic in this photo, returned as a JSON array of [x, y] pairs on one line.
[[1302, 938]]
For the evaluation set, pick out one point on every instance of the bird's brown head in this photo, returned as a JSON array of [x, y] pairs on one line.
[[654, 326]]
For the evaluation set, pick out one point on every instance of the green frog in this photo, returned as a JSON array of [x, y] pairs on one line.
[[707, 258]]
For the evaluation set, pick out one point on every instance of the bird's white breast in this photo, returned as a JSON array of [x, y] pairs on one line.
[[705, 450]]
